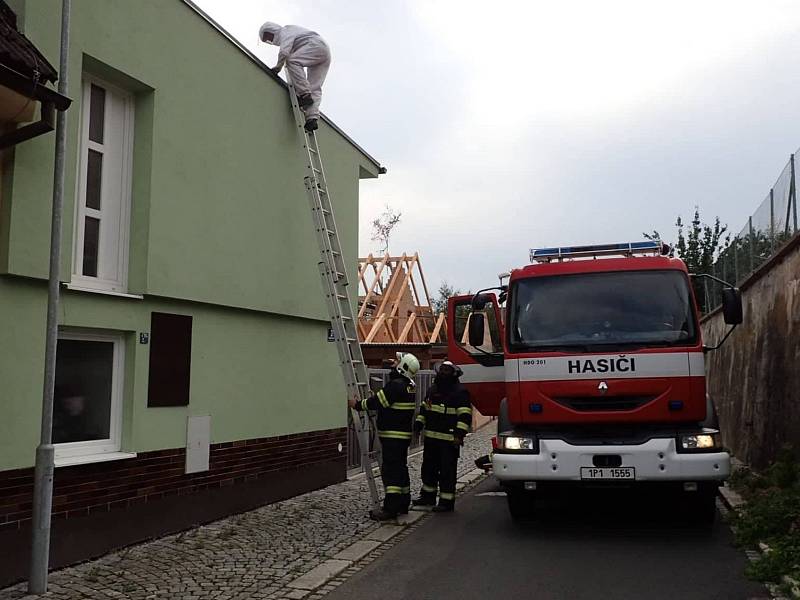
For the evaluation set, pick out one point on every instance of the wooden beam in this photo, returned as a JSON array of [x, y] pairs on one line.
[[437, 329], [371, 289], [404, 334], [387, 294], [371, 335]]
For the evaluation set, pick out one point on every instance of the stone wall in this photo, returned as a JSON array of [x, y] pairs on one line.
[[754, 378]]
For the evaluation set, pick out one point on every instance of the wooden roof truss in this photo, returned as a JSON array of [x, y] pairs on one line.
[[394, 306]]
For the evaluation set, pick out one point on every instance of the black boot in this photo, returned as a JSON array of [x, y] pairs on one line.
[[311, 125], [423, 501], [382, 515], [305, 100], [443, 508]]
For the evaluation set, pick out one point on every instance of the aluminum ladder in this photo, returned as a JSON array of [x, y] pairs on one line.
[[333, 270]]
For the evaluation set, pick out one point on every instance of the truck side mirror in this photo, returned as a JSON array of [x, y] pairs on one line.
[[476, 329], [732, 306], [479, 301]]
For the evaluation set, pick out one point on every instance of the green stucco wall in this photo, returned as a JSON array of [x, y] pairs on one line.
[[220, 229]]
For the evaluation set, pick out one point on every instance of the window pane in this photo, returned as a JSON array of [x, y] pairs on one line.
[[82, 402], [91, 242], [94, 177], [593, 310], [491, 331], [97, 114]]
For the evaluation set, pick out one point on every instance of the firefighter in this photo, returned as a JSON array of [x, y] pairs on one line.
[[446, 416], [395, 404]]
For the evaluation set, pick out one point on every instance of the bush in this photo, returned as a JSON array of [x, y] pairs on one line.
[[771, 516]]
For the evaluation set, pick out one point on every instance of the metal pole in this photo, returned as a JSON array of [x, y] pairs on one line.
[[771, 221], [752, 243], [45, 452], [793, 188]]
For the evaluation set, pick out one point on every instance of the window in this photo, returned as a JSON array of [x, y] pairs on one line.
[[102, 214], [87, 404], [170, 360], [491, 332], [595, 311]]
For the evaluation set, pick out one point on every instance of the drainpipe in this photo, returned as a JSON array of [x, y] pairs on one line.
[[45, 452]]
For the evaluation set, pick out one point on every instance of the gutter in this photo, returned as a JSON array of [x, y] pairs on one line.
[[50, 100], [260, 64]]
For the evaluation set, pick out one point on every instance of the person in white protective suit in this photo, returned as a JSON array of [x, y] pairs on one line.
[[301, 49]]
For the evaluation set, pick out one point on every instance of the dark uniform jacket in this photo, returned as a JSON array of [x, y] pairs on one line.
[[446, 413], [395, 404]]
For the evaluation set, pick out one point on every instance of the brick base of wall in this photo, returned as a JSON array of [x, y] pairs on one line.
[[102, 506]]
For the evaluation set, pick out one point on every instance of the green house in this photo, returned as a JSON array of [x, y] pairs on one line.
[[194, 376]]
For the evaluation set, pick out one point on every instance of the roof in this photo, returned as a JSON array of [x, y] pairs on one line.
[[274, 76], [18, 52]]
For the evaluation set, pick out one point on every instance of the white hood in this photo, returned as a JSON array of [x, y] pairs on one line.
[[272, 28]]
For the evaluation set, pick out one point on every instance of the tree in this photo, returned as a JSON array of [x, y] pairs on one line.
[[444, 292], [383, 226], [699, 245]]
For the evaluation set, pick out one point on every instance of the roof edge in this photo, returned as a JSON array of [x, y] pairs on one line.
[[260, 64]]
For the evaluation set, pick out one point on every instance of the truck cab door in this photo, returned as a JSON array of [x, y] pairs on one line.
[[483, 366]]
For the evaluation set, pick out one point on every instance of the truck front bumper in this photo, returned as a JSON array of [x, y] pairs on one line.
[[654, 460]]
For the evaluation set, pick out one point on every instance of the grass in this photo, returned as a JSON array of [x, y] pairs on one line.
[[772, 516]]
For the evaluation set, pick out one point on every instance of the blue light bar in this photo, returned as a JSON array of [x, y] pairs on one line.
[[626, 249]]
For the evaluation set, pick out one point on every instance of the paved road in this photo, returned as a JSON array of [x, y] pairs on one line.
[[585, 548]]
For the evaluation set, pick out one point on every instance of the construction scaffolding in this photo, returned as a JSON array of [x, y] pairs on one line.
[[395, 308]]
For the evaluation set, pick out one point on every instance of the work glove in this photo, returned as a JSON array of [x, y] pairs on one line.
[[418, 427], [458, 441]]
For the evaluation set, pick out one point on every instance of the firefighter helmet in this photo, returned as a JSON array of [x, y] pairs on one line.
[[457, 371], [407, 364]]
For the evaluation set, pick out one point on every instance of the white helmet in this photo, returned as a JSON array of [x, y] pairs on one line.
[[407, 364]]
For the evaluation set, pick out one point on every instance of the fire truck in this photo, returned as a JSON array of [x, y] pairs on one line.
[[592, 359]]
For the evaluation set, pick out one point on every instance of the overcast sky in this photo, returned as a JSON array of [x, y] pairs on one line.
[[510, 125]]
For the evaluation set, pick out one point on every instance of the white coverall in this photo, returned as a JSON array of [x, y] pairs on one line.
[[301, 48]]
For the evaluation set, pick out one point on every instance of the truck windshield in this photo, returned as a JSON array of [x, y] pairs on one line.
[[592, 311]]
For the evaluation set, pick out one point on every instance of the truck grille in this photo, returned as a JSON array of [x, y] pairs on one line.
[[603, 403]]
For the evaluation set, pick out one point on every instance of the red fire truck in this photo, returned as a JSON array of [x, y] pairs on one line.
[[592, 359]]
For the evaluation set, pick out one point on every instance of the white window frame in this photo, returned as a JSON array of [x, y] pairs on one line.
[[122, 230], [67, 452]]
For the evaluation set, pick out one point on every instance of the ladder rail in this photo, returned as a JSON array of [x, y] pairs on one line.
[[333, 272]]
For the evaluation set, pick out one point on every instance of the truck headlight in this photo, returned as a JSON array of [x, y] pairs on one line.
[[517, 443], [699, 442]]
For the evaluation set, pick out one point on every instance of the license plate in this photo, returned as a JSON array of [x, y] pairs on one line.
[[608, 473]]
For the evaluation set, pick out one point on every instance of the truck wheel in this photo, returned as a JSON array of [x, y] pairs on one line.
[[520, 504], [702, 509]]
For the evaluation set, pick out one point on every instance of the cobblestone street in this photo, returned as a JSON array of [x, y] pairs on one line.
[[252, 555]]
